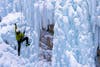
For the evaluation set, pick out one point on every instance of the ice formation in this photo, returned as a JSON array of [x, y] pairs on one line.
[[76, 31], [75, 35]]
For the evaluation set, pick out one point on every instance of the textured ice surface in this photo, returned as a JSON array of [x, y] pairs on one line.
[[74, 34]]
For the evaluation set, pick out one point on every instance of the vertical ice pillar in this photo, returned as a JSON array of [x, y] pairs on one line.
[[46, 12], [98, 17], [97, 25], [73, 34], [50, 11], [44, 16], [32, 14], [37, 22], [60, 35], [28, 10]]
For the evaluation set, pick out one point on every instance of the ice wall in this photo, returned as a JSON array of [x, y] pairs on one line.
[[73, 38], [25, 22]]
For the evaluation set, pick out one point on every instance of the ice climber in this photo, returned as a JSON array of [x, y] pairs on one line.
[[20, 37]]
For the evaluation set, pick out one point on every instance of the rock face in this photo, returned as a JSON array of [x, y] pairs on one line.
[[46, 43], [98, 58], [51, 28], [98, 52]]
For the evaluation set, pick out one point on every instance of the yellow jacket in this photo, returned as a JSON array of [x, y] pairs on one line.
[[19, 35]]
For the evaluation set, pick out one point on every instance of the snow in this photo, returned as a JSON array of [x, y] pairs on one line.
[[73, 61], [8, 59], [11, 17]]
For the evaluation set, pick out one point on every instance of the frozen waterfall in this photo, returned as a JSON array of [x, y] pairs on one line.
[[74, 44], [76, 32]]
